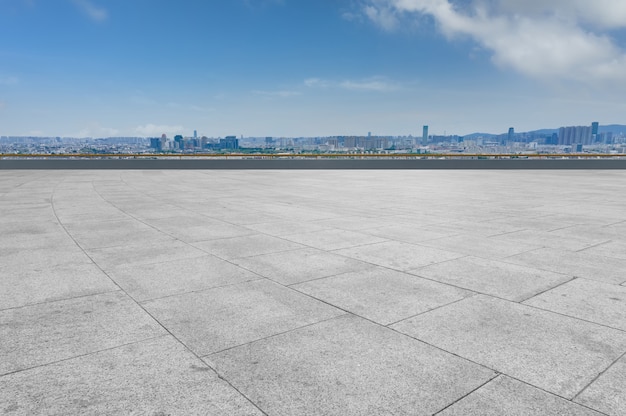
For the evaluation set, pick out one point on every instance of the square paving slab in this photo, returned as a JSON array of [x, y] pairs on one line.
[[297, 266], [504, 396], [347, 366], [150, 281], [485, 247], [579, 264], [382, 295], [399, 256], [491, 277], [252, 245], [220, 318], [553, 352], [608, 392], [597, 302], [334, 239], [146, 252], [155, 377], [49, 332], [29, 285]]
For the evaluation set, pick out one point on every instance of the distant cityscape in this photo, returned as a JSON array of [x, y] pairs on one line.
[[592, 138]]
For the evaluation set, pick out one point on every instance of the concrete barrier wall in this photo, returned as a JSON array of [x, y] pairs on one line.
[[312, 164]]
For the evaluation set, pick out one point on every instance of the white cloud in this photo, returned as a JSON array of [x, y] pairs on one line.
[[376, 84], [158, 130], [96, 130], [316, 82], [382, 15], [282, 93], [561, 39], [94, 12]]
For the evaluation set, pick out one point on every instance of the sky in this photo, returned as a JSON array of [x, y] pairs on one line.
[[101, 68]]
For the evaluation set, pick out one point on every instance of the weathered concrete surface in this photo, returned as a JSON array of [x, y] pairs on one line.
[[312, 292]]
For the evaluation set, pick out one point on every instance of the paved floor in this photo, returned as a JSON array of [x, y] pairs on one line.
[[313, 292]]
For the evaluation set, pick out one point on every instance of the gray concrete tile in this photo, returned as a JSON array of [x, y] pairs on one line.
[[247, 246], [283, 228], [580, 264], [486, 247], [481, 228], [154, 377], [608, 393], [26, 285], [382, 295], [597, 302], [613, 249], [19, 257], [398, 255], [195, 227], [220, 318], [150, 281], [35, 335], [113, 233], [550, 351], [506, 396], [300, 265], [549, 239], [356, 222], [333, 239], [217, 230], [589, 232], [538, 223], [411, 233], [143, 253], [347, 366], [492, 277]]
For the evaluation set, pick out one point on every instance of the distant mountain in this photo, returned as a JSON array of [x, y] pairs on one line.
[[614, 128], [477, 135]]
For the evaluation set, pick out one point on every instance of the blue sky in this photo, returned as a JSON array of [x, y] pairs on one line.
[[308, 67]]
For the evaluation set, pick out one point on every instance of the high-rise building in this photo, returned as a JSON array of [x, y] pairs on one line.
[[511, 135], [595, 126], [230, 142], [424, 135], [195, 134], [575, 135]]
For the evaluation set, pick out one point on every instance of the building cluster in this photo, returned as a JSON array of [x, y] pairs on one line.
[[180, 143], [593, 138]]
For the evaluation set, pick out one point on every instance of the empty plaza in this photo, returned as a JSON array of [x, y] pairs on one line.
[[302, 292]]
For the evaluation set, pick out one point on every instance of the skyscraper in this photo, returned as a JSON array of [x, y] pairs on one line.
[[195, 134], [511, 135], [595, 126], [424, 135]]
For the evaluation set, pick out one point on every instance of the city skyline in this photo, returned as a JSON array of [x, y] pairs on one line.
[[89, 68]]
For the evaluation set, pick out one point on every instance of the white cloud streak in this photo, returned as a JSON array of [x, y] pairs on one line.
[[374, 84], [281, 93], [157, 130], [94, 12], [563, 39]]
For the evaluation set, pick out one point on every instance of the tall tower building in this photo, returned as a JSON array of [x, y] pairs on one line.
[[424, 135], [511, 135], [195, 134], [595, 127]]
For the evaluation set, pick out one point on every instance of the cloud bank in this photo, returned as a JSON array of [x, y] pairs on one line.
[[154, 130], [566, 39]]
